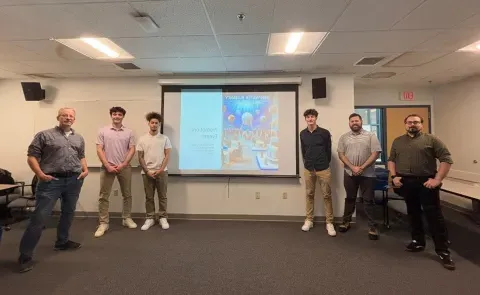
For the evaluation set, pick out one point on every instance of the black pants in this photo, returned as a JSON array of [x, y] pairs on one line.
[[366, 185], [417, 196]]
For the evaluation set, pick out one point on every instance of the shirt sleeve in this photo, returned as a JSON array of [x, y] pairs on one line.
[[36, 146], [81, 151], [329, 146], [393, 152], [140, 147], [168, 144], [441, 151], [375, 143], [341, 145], [132, 140], [100, 137]]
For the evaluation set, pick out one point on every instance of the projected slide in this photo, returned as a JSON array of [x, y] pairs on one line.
[[217, 132]]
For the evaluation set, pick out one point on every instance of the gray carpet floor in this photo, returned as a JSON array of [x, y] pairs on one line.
[[232, 257]]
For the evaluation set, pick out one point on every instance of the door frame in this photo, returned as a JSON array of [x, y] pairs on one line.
[[383, 110]]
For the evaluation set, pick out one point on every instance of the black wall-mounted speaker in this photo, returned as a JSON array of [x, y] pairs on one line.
[[33, 91], [319, 88]]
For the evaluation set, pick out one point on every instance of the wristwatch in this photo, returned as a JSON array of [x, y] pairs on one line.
[[393, 176]]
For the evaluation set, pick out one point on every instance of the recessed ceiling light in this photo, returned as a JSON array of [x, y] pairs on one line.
[[295, 43], [96, 48], [474, 47]]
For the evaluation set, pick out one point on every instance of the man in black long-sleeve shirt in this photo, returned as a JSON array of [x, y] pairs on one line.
[[316, 144]]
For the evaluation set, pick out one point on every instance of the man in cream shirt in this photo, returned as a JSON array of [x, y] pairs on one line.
[[153, 153]]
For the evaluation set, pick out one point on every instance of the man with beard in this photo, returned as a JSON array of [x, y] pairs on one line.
[[153, 153], [358, 150], [115, 149], [413, 168], [57, 157]]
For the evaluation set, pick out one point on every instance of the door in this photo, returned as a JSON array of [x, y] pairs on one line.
[[395, 126]]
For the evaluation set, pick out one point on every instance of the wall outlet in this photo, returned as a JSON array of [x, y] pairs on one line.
[[284, 195], [115, 193], [257, 195]]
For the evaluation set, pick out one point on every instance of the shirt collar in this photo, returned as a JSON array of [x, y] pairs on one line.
[[63, 132], [362, 131], [416, 136], [120, 129]]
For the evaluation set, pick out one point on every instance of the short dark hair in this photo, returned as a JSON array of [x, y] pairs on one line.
[[117, 110], [355, 115], [153, 115], [413, 115], [310, 112]]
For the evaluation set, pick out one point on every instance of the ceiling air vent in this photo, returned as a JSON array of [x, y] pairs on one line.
[[369, 61], [127, 66], [379, 75]]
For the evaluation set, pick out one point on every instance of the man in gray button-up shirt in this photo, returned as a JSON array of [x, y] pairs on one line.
[[358, 150], [57, 157]]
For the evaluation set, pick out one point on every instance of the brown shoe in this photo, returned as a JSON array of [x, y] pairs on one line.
[[373, 233], [344, 227]]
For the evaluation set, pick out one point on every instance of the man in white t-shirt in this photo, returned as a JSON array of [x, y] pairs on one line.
[[153, 153]]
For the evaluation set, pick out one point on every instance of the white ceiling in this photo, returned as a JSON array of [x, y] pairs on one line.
[[205, 36]]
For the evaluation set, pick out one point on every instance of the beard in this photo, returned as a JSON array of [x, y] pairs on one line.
[[413, 130], [355, 128]]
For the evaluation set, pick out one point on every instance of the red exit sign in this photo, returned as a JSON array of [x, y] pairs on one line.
[[407, 95]]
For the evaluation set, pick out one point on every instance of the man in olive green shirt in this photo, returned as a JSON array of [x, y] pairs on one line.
[[413, 168]]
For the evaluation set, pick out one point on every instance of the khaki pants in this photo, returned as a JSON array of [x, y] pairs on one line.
[[160, 184], [106, 182], [324, 178]]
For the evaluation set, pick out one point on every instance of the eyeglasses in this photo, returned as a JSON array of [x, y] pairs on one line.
[[413, 122]]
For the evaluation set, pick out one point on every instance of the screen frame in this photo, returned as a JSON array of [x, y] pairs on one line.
[[240, 88]]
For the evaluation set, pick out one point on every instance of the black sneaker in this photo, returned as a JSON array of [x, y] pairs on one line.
[[344, 227], [25, 264], [447, 261], [373, 233], [414, 246], [70, 245]]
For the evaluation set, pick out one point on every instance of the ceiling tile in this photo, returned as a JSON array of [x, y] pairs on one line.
[[189, 46], [346, 59], [450, 40], [15, 67], [186, 65], [241, 45], [472, 22], [374, 41], [12, 52], [363, 15], [286, 63], [243, 63], [72, 66], [258, 16], [9, 75], [439, 14], [306, 15], [177, 18], [23, 2], [50, 50]]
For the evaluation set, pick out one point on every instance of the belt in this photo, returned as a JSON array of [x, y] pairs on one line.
[[64, 174], [412, 177]]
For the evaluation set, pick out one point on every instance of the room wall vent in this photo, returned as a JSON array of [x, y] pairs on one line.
[[369, 61]]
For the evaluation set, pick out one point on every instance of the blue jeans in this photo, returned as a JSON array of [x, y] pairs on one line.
[[68, 190]]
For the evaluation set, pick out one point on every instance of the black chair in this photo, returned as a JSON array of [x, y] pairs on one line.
[[19, 206], [381, 184]]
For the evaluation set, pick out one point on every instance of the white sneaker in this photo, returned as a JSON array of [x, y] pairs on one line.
[[307, 225], [102, 228], [331, 230], [164, 223], [128, 222], [148, 223]]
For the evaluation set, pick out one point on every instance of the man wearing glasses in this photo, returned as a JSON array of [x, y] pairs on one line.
[[413, 168]]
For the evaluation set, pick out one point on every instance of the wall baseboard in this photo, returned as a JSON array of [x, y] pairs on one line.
[[235, 217]]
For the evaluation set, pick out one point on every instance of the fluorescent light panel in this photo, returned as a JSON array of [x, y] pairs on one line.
[[295, 43], [96, 48], [474, 47]]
